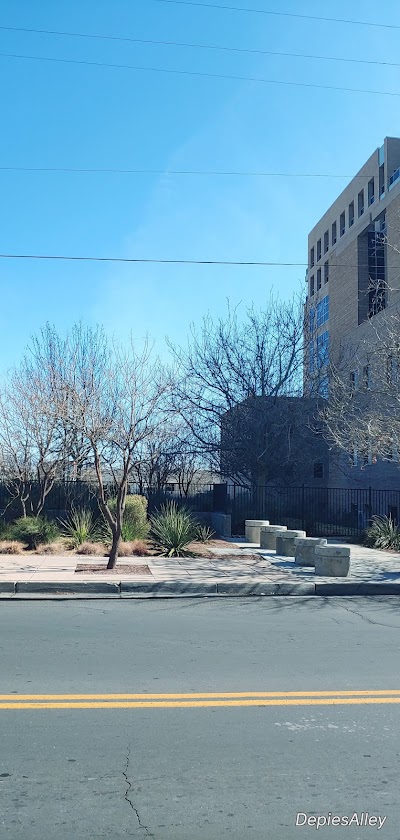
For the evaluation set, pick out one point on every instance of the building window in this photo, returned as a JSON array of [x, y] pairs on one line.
[[366, 376], [318, 469], [312, 285], [376, 273], [381, 181], [334, 233], [319, 250], [360, 203], [326, 241], [354, 380], [371, 191], [351, 213], [323, 388], [326, 271], [323, 311], [311, 365], [323, 349], [342, 224], [312, 258], [319, 282]]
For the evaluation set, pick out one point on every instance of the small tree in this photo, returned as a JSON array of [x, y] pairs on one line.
[[110, 397], [232, 372]]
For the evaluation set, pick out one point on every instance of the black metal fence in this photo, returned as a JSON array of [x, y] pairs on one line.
[[320, 511]]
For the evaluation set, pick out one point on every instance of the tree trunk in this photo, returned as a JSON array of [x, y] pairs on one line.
[[113, 556]]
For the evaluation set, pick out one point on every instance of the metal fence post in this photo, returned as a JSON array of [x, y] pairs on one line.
[[303, 514]]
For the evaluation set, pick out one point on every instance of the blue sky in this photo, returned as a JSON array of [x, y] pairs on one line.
[[65, 115]]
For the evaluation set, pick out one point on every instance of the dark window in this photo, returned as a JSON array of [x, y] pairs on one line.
[[351, 213], [318, 470], [326, 271], [312, 259], [366, 376], [319, 250], [381, 181], [361, 203], [376, 273], [312, 286], [326, 241], [342, 224], [334, 233], [319, 282], [371, 191]]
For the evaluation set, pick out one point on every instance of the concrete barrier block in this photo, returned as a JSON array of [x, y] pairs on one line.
[[285, 542], [252, 529], [268, 535], [305, 549], [332, 560]]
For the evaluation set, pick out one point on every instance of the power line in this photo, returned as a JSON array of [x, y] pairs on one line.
[[281, 14], [200, 74], [205, 172], [196, 46], [260, 263]]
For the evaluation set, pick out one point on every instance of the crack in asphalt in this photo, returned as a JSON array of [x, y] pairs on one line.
[[127, 795], [366, 619]]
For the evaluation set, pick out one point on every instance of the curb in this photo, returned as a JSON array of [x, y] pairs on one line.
[[31, 590]]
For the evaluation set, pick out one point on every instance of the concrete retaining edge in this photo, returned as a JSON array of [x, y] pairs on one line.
[[30, 590]]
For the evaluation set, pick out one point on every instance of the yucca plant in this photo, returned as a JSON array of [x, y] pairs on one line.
[[80, 527], [383, 533], [204, 534], [172, 529]]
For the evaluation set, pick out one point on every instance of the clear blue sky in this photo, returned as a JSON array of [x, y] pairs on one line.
[[56, 114]]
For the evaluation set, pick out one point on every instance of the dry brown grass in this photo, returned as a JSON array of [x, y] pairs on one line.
[[133, 548], [92, 549], [51, 548], [11, 547]]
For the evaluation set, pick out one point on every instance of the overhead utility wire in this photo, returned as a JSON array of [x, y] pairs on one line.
[[216, 47], [162, 261], [281, 14], [211, 172], [199, 74]]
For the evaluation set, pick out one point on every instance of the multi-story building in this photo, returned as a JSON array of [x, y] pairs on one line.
[[354, 276]]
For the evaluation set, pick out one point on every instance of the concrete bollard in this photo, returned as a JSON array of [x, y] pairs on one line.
[[268, 536], [305, 549], [332, 560], [252, 529], [285, 542]]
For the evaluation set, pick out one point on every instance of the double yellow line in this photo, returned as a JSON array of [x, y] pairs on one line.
[[194, 700]]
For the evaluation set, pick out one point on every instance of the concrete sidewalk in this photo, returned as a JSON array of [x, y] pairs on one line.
[[251, 571]]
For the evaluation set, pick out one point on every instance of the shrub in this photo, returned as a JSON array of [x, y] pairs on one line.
[[50, 548], [172, 529], [204, 534], [135, 524], [383, 533], [133, 548], [34, 530], [80, 527], [11, 547], [93, 549]]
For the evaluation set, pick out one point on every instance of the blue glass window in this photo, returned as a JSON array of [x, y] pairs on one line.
[[322, 311], [323, 349]]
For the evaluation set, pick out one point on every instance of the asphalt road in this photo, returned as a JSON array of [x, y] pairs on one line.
[[170, 768]]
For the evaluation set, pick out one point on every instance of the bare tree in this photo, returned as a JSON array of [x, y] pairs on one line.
[[362, 415], [109, 397], [232, 372]]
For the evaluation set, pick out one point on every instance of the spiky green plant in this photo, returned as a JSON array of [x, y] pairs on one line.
[[80, 527], [383, 533], [204, 534], [172, 529]]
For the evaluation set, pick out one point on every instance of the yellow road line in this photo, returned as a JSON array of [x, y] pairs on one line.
[[158, 704], [200, 695]]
